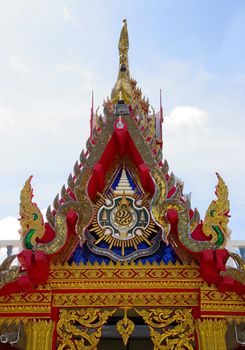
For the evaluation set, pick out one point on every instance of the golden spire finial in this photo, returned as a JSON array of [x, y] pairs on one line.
[[123, 46], [122, 89]]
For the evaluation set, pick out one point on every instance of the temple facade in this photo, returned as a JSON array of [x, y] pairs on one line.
[[122, 261]]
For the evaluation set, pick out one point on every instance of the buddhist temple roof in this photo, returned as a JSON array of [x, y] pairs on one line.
[[121, 204]]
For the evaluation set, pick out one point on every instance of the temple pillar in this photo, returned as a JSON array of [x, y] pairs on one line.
[[211, 334], [39, 334]]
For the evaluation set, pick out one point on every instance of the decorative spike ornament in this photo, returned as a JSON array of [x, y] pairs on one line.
[[122, 88], [125, 327], [76, 169]]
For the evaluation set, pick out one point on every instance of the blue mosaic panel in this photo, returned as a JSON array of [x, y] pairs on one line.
[[165, 254]]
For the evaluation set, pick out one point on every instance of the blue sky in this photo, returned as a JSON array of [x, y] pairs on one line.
[[52, 54]]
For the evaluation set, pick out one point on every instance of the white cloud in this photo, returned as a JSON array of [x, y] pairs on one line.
[[68, 67], [9, 227], [186, 117], [68, 18], [6, 117], [20, 64], [43, 211], [86, 74], [66, 14]]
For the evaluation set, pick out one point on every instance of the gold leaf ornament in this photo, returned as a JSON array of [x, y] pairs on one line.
[[125, 327]]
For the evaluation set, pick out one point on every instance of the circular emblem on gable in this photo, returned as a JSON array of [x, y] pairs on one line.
[[122, 228], [123, 218]]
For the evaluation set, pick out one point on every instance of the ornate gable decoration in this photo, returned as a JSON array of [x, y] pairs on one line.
[[121, 204], [123, 228]]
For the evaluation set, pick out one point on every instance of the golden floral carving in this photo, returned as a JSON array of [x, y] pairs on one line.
[[125, 327], [80, 329], [170, 329]]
